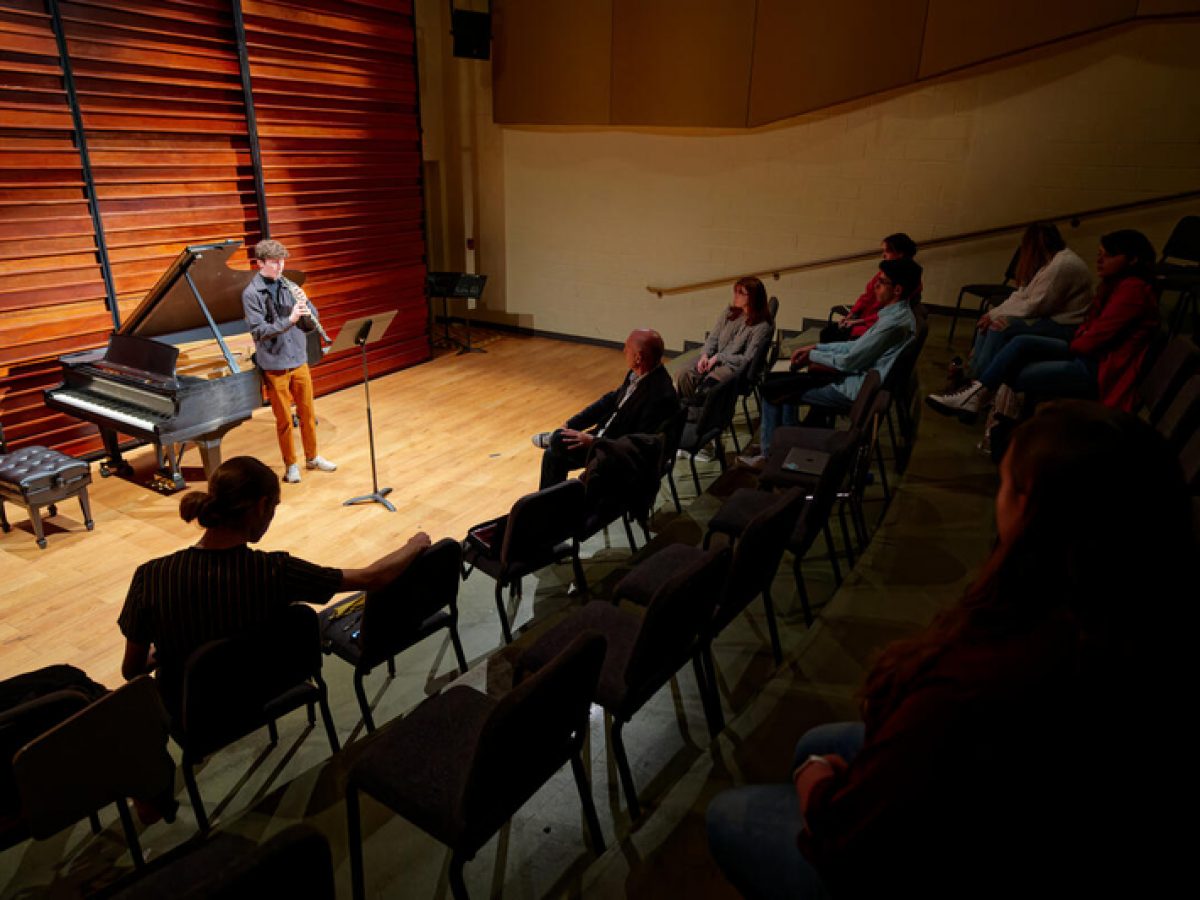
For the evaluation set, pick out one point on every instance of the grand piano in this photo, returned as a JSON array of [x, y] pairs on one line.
[[135, 385]]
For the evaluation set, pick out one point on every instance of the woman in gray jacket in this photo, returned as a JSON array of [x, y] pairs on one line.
[[742, 332]]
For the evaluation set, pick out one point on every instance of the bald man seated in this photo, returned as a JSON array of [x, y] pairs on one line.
[[642, 404]]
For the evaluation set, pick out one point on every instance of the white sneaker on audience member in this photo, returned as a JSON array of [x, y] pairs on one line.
[[752, 462], [320, 462], [966, 402], [292, 475], [705, 455], [541, 440]]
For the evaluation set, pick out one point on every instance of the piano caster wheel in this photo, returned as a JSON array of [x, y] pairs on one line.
[[90, 525], [105, 471], [5, 527], [41, 543], [52, 509]]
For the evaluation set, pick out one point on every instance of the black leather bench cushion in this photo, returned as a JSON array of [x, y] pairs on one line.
[[37, 468]]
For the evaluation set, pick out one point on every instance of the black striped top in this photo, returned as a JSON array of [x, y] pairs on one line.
[[182, 601]]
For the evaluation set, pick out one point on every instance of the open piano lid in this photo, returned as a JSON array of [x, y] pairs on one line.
[[169, 310]]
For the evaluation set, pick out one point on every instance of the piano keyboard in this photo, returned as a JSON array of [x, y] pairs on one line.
[[126, 413]]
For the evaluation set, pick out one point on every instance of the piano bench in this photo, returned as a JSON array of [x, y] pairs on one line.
[[34, 477]]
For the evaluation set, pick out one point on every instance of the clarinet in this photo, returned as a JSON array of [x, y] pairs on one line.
[[298, 293]]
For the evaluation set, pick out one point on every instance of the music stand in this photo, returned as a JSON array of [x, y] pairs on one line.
[[457, 286], [359, 333]]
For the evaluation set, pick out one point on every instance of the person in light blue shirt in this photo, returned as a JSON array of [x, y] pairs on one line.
[[828, 377]]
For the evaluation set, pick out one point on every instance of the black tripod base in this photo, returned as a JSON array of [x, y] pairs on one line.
[[379, 496]]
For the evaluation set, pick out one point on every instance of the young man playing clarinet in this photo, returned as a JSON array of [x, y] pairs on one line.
[[279, 316]]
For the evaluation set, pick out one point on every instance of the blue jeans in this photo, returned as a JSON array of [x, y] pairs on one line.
[[752, 830], [988, 343], [1042, 365], [776, 415]]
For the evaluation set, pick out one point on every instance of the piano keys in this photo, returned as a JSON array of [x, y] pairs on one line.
[[136, 386]]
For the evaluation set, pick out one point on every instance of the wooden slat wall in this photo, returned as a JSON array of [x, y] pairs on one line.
[[165, 120], [336, 99], [51, 289]]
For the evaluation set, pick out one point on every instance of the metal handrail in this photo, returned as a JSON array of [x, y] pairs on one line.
[[1073, 218]]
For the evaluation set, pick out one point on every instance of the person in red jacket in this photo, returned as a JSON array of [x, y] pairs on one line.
[[1105, 357], [865, 311], [993, 755]]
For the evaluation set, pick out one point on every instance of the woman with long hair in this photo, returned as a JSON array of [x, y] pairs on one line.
[[742, 332], [989, 761], [1105, 356], [1054, 290], [220, 587]]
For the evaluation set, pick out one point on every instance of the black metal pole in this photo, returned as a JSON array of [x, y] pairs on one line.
[[260, 187], [376, 495], [85, 163]]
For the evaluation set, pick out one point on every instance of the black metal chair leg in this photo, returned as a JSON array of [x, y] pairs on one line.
[[883, 482], [629, 531], [327, 718], [584, 784], [458, 885], [695, 474], [833, 557], [458, 648], [94, 821], [273, 732], [846, 534], [503, 615], [706, 674], [772, 627], [363, 704], [802, 590], [954, 321], [131, 835], [624, 773], [189, 779], [674, 492]]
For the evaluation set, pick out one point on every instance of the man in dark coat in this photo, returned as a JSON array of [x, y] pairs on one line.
[[642, 404]]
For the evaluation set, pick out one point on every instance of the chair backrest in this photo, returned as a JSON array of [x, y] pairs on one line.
[[679, 611], [392, 615], [24, 723], [757, 367], [533, 730], [1010, 273], [843, 450], [540, 521], [1184, 242], [114, 748], [1173, 365], [757, 553], [1182, 414], [860, 410], [715, 416], [228, 682], [1189, 458]]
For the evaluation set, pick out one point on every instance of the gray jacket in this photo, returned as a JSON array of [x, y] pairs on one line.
[[278, 343], [734, 343]]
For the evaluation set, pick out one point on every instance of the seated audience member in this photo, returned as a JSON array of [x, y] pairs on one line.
[[836, 371], [743, 330], [1054, 289], [865, 311], [1104, 357], [986, 764], [219, 587], [642, 404]]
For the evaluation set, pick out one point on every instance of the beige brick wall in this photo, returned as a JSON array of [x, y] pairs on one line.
[[578, 221]]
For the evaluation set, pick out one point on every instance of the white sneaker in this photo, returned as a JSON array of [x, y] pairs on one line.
[[292, 475], [320, 462], [704, 455], [758, 461], [966, 402], [541, 440]]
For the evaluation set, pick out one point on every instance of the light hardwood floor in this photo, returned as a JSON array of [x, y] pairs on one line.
[[452, 439]]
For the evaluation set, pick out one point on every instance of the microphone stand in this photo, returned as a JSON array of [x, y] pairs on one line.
[[377, 494]]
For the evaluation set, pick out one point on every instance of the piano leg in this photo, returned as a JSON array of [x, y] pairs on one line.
[[169, 480], [115, 463], [210, 454]]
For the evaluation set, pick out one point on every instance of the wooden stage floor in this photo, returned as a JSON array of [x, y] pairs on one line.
[[452, 439]]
